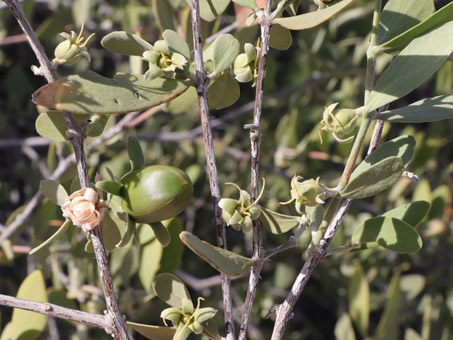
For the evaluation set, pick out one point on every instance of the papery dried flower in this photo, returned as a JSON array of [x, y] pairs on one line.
[[85, 209]]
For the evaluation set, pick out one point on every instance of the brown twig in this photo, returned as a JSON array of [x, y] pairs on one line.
[[77, 135], [202, 91], [255, 142]]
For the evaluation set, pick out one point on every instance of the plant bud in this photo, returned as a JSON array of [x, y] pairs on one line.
[[310, 193], [340, 123], [244, 66], [173, 314], [72, 49], [163, 63]]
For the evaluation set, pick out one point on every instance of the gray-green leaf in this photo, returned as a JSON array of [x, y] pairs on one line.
[[122, 42], [277, 223], [312, 19], [170, 289], [224, 261], [52, 238], [54, 191], [375, 179], [390, 233], [223, 92], [415, 64], [281, 38], [246, 3], [398, 16], [411, 213], [153, 332], [162, 234], [176, 43], [422, 111], [88, 92], [135, 153], [226, 49]]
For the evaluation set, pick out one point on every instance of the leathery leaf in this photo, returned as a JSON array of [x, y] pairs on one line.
[[89, 93], [224, 261]]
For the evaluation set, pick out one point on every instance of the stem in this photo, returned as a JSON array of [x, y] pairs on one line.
[[255, 142], [76, 135], [202, 91], [314, 258], [56, 311]]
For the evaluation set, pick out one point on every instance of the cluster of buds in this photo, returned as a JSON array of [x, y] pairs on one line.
[[85, 209], [310, 193], [245, 65], [164, 63], [240, 213], [72, 49], [187, 319], [340, 123]]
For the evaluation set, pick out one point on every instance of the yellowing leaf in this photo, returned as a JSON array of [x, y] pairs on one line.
[[29, 325]]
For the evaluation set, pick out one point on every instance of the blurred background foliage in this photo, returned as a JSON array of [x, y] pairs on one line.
[[405, 296]]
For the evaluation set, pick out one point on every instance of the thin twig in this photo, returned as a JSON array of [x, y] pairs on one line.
[[56, 311], [202, 91], [314, 258], [255, 143], [77, 135]]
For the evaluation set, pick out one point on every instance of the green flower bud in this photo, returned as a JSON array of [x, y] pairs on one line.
[[72, 49], [240, 213], [163, 63], [309, 193], [172, 314], [245, 64], [340, 123]]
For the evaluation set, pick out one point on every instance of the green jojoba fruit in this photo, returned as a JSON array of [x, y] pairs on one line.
[[156, 193]]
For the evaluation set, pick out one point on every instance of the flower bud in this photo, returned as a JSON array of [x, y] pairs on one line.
[[72, 49], [173, 314], [240, 213], [340, 123], [85, 209], [310, 193], [244, 66], [164, 63]]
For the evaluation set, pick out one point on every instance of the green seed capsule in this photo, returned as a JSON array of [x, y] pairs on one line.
[[156, 193]]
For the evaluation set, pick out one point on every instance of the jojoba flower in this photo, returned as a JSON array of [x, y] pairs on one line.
[[72, 49], [340, 123], [85, 209]]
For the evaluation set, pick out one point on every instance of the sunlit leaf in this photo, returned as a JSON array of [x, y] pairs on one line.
[[375, 179], [344, 329], [246, 3], [111, 187], [122, 42], [411, 213], [54, 191], [170, 289], [29, 325], [389, 233], [412, 285], [224, 261], [422, 111], [277, 223], [312, 19], [162, 234], [164, 15], [88, 92], [153, 332], [211, 9], [415, 64], [225, 50], [437, 19], [398, 16], [176, 44]]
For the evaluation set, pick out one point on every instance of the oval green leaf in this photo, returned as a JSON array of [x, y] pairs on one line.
[[54, 191], [226, 49], [111, 234], [223, 92], [176, 43], [312, 19], [422, 111], [150, 258], [223, 260], [153, 332], [281, 38], [277, 223], [162, 234], [246, 3], [211, 9], [172, 254], [170, 289], [411, 213], [389, 233], [415, 64], [111, 187], [91, 93], [122, 42], [29, 325], [375, 179]]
